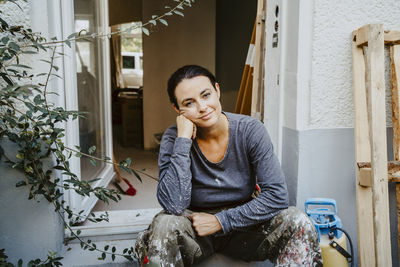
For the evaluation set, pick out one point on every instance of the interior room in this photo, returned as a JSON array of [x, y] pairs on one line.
[[214, 34]]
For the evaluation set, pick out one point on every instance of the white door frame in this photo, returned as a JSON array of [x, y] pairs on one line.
[[74, 200]]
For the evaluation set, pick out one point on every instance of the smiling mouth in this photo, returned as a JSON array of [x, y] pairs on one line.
[[206, 116]]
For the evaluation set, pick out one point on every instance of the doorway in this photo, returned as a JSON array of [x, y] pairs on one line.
[[206, 36]]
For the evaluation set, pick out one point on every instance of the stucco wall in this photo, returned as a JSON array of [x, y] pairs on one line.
[[28, 229], [331, 91], [318, 139], [187, 40]]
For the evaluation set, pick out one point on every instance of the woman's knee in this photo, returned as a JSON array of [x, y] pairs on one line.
[[171, 224], [298, 221]]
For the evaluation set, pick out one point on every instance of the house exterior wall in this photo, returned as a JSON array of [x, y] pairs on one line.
[[28, 229], [318, 137]]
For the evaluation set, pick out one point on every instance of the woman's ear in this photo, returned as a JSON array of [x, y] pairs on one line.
[[175, 108], [217, 89]]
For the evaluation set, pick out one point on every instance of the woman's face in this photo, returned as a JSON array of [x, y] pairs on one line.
[[198, 101]]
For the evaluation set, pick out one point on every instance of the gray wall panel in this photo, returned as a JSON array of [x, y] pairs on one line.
[[320, 163], [28, 229]]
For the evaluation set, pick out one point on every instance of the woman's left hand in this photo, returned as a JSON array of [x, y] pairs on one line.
[[205, 223]]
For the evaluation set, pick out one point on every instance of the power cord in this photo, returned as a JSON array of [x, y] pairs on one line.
[[351, 244]]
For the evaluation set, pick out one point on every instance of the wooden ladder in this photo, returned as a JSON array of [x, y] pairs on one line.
[[373, 171]]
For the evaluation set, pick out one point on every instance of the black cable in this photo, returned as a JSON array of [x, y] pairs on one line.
[[351, 244]]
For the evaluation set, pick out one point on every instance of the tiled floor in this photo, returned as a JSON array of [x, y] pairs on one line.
[[144, 161]]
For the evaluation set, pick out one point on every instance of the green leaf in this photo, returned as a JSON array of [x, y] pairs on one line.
[[93, 162], [5, 39], [137, 176], [92, 149], [163, 21], [113, 257], [106, 247], [20, 66], [178, 13], [152, 21], [145, 31], [20, 183], [38, 100], [28, 52], [113, 249], [73, 35], [20, 156], [13, 46], [103, 256]]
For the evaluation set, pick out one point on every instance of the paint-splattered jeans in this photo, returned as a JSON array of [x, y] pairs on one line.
[[288, 239]]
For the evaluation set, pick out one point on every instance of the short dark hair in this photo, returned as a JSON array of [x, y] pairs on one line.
[[186, 72]]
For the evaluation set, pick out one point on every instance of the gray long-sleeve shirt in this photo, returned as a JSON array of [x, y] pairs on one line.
[[187, 178]]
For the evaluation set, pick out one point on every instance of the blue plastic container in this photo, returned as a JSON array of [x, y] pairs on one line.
[[322, 212]]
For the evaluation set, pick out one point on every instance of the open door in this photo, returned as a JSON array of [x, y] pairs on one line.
[[88, 90]]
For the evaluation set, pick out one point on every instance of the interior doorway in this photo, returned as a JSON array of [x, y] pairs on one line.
[[214, 34]]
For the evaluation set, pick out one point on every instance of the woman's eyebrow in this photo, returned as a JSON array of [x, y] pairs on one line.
[[189, 98], [186, 99], [205, 90]]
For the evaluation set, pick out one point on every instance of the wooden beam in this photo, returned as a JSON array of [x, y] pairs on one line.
[[395, 82], [361, 38], [393, 166], [365, 178], [392, 37], [366, 249], [394, 178], [375, 84], [259, 59]]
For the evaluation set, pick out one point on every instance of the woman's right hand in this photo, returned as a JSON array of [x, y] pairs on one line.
[[186, 128]]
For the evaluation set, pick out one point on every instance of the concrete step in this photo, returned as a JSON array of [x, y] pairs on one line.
[[77, 257]]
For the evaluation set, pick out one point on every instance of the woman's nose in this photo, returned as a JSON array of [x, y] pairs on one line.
[[202, 106]]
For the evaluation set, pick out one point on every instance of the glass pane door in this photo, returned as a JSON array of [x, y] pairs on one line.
[[90, 86]]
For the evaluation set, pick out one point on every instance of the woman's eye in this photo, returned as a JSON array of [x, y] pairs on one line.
[[188, 104], [206, 95]]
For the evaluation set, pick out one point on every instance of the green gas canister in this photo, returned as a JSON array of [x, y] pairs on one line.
[[332, 237]]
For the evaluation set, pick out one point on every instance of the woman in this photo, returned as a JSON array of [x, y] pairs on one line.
[[210, 162]]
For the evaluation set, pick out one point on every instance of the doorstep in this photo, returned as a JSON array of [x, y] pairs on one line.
[[121, 232], [78, 257]]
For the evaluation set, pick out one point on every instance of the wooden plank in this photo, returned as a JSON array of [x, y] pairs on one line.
[[365, 178], [258, 62], [393, 166], [375, 84], [361, 38], [394, 177], [395, 82], [366, 249], [392, 37], [395, 69], [243, 101]]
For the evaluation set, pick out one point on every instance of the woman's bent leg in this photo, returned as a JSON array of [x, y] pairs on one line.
[[296, 239], [171, 240], [288, 239]]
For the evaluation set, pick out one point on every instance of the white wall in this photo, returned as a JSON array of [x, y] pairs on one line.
[[318, 139], [28, 229], [188, 40], [330, 93]]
